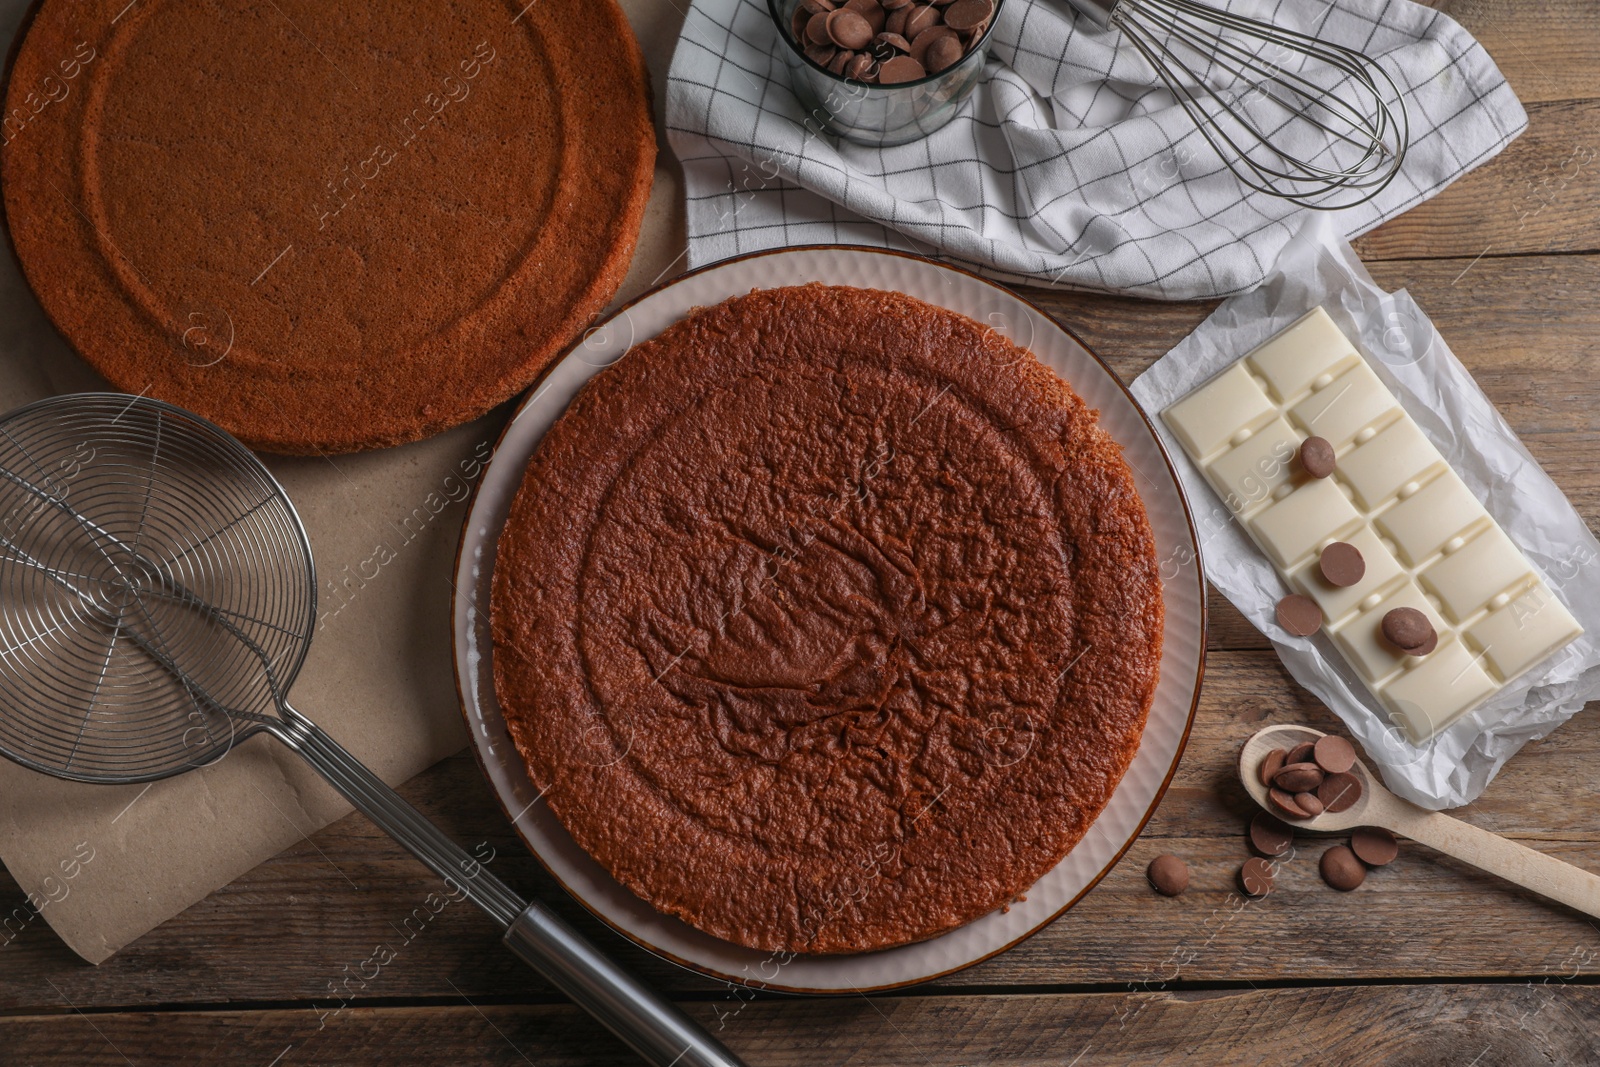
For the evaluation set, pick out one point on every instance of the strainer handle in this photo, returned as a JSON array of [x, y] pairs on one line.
[[649, 1024]]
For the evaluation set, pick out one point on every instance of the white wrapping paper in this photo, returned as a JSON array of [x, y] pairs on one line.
[[1320, 268]]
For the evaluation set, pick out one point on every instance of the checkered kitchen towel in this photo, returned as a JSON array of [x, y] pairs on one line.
[[1066, 167]]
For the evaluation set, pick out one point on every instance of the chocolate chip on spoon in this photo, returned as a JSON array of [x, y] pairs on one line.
[[1334, 754], [1339, 792], [1300, 615], [1168, 875], [1309, 804], [1316, 456], [1341, 564], [1285, 804], [1300, 753], [1375, 845], [1271, 764], [1298, 777]]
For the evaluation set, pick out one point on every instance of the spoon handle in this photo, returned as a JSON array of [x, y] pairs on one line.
[[1516, 863]]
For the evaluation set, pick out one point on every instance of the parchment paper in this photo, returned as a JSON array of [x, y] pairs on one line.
[[1320, 268], [105, 864]]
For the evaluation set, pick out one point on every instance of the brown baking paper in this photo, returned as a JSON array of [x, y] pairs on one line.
[[105, 864]]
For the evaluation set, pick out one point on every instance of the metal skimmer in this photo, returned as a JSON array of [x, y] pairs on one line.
[[157, 598]]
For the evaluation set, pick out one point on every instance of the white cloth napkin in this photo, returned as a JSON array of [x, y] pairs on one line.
[[1065, 167]]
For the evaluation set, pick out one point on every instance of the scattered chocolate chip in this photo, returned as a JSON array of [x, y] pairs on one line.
[[1168, 875], [1316, 456], [922, 17], [1408, 628], [966, 15], [1339, 792], [1271, 836], [1375, 845], [1309, 804], [943, 53], [1255, 877], [1301, 753], [900, 69], [848, 29], [1341, 869], [1298, 777], [1271, 764], [1284, 802], [1334, 754], [1342, 565], [1300, 615]]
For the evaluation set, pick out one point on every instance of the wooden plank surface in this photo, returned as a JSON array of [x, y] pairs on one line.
[[1505, 1025]]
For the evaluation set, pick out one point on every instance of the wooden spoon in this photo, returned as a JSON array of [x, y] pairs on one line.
[[1545, 875]]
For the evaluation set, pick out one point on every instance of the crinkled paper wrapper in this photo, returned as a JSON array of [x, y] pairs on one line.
[[1401, 344]]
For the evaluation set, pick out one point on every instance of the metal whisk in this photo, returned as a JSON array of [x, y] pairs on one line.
[[1292, 116], [157, 598]]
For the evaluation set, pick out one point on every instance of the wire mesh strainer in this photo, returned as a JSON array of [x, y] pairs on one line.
[[157, 598]]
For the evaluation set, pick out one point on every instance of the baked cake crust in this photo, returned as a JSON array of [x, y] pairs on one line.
[[828, 619], [326, 227]]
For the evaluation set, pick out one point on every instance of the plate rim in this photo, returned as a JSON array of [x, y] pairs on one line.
[[456, 596]]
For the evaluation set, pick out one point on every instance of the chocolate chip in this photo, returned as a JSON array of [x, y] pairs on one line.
[[1284, 802], [887, 44], [900, 69], [1339, 792], [797, 27], [1316, 457], [1375, 845], [1298, 777], [1342, 564], [922, 17], [896, 22], [1425, 648], [1341, 869], [1309, 804], [1299, 615], [848, 29], [862, 68], [1301, 753], [1255, 877], [1271, 764], [1168, 875], [817, 28], [1407, 628], [1334, 754], [1271, 836], [871, 10], [927, 39], [968, 14], [892, 6], [841, 60], [821, 54], [943, 53], [817, 7]]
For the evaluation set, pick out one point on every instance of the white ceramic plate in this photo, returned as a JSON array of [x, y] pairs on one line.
[[1182, 659]]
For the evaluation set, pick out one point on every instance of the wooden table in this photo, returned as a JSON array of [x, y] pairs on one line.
[[1429, 962]]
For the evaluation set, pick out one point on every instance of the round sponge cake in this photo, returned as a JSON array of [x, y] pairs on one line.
[[827, 619], [327, 227]]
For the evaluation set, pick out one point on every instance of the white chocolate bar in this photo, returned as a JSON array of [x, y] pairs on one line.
[[1427, 543]]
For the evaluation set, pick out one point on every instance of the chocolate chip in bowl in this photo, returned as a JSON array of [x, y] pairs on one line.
[[883, 72]]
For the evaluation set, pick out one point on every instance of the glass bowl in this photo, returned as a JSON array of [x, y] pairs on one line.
[[878, 115]]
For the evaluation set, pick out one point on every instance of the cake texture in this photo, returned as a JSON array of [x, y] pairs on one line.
[[827, 619], [327, 227]]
